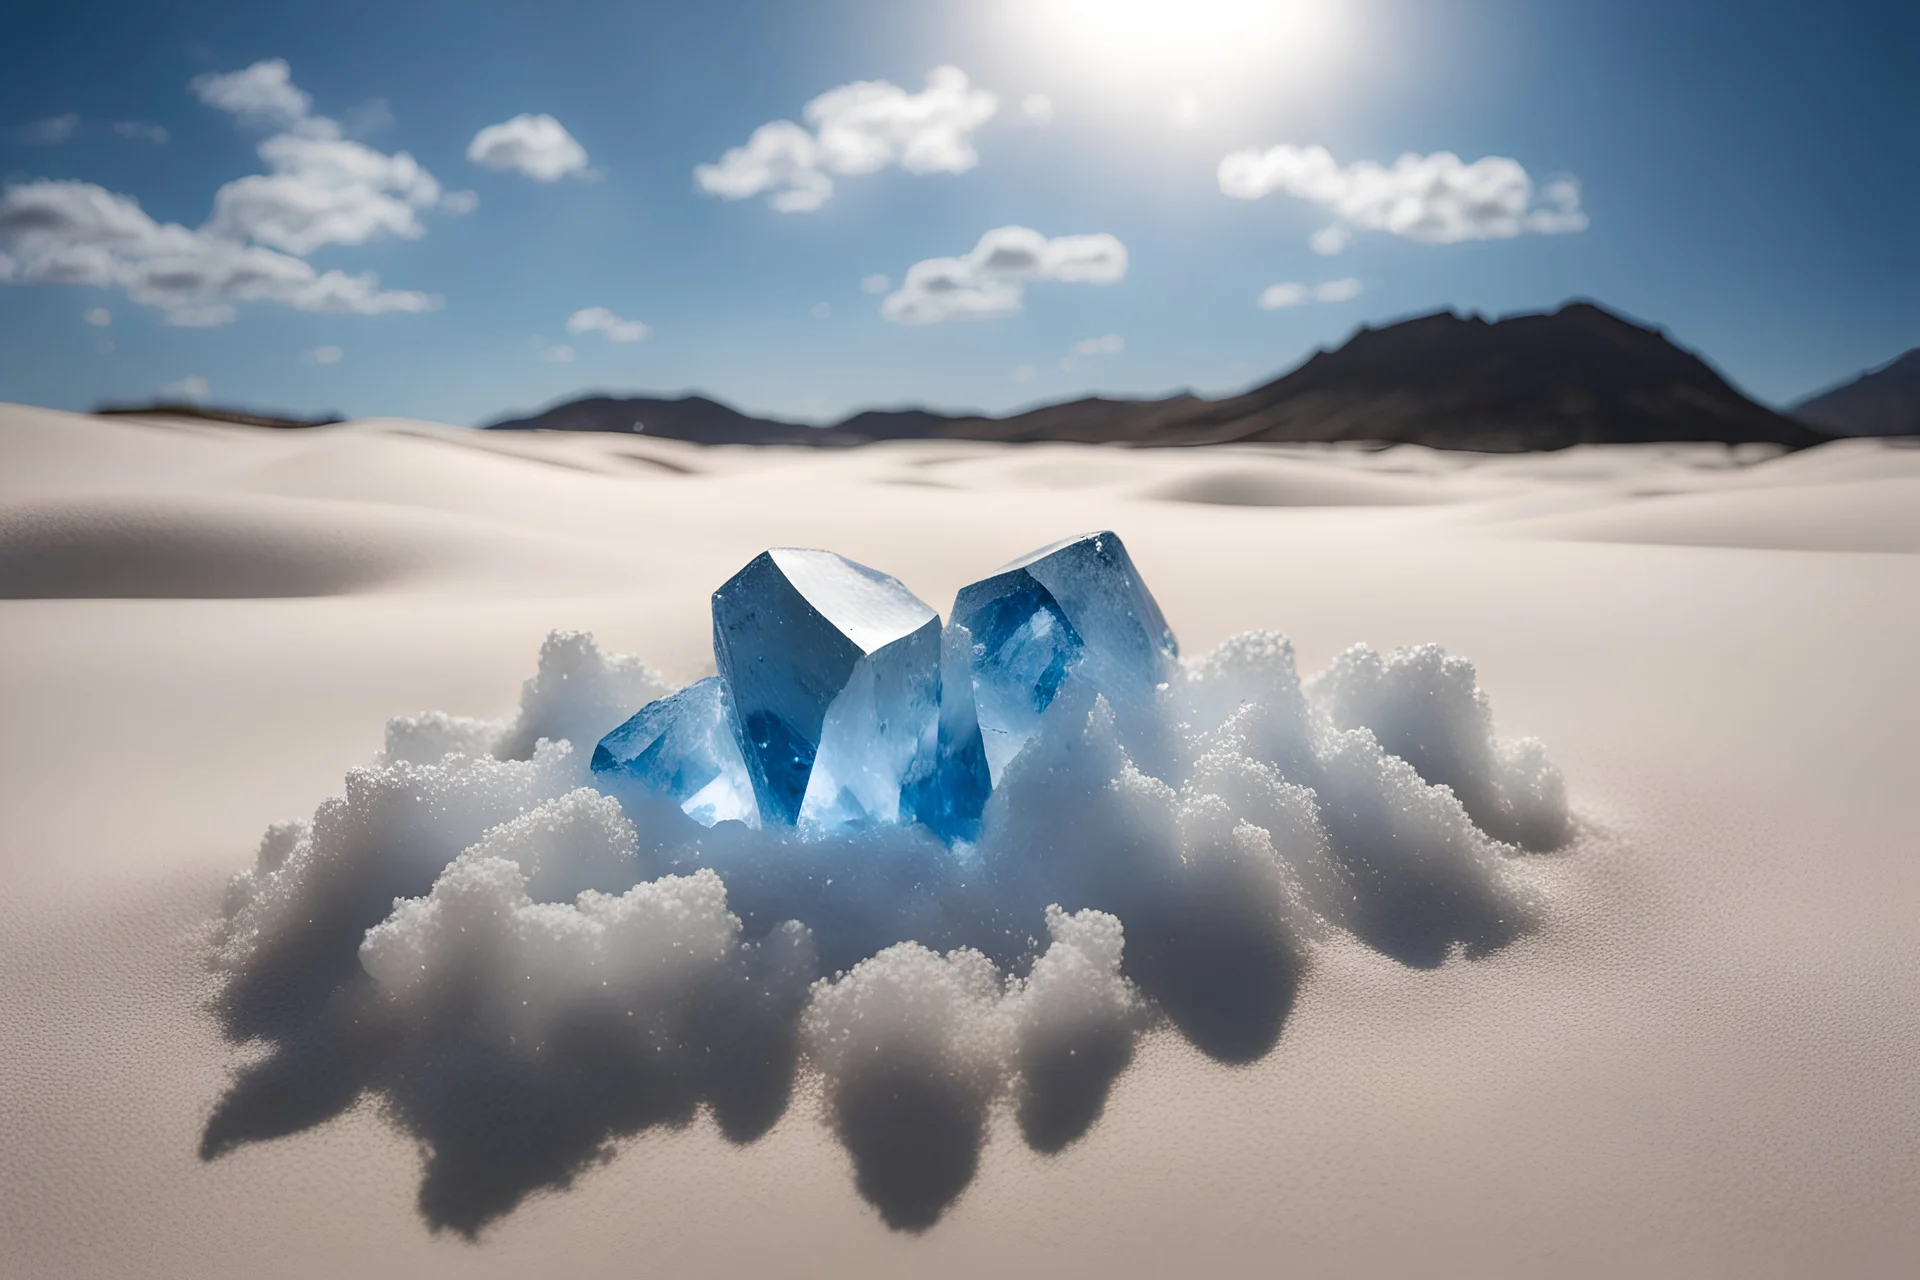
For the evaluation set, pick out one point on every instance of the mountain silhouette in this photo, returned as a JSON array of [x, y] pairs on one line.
[[1579, 375], [1880, 402]]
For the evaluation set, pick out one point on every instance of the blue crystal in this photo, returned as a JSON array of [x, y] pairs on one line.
[[683, 747], [1077, 607], [948, 791], [834, 672]]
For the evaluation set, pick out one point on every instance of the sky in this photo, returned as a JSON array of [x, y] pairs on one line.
[[460, 212]]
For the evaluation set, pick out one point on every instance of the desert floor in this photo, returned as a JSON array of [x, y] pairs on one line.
[[1706, 1062]]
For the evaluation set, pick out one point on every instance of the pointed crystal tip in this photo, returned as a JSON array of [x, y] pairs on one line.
[[1075, 607], [834, 669]]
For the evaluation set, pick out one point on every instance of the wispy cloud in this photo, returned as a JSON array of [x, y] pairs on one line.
[[141, 131], [1110, 344], [602, 321], [50, 132], [1276, 296]]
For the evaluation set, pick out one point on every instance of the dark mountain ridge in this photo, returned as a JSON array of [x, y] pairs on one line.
[[1579, 375], [1880, 402]]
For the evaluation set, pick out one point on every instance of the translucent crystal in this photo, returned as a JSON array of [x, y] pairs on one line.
[[834, 672], [948, 791], [683, 747], [1077, 607]]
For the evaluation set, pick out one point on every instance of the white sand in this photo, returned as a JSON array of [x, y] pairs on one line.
[[1706, 1062]]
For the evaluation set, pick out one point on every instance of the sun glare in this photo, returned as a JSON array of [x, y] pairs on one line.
[[1189, 40]]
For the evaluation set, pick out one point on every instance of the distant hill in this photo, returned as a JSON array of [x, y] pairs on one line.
[[1880, 402], [694, 418], [1581, 375], [211, 413]]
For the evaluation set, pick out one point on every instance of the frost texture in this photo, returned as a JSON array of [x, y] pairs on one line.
[[524, 964]]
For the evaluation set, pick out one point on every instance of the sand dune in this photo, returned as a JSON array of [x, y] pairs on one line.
[[1703, 1061]]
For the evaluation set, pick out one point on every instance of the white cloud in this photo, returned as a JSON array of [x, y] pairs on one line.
[[1037, 107], [857, 128], [1436, 199], [537, 145], [781, 158], [322, 355], [263, 93], [6, 267], [61, 232], [560, 353], [191, 388], [875, 283], [141, 130], [991, 280], [821, 311], [99, 317], [600, 320], [459, 203], [324, 191], [1276, 296], [321, 190], [50, 132], [1111, 344]]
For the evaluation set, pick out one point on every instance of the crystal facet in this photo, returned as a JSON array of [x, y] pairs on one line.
[[948, 791], [842, 702], [834, 672], [683, 747], [1077, 607]]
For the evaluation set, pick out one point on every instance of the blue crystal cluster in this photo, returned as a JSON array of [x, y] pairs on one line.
[[842, 701]]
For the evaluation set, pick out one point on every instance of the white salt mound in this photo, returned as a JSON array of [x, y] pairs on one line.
[[474, 927]]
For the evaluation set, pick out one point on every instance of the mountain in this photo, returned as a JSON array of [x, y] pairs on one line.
[[694, 418], [1880, 402], [1580, 375]]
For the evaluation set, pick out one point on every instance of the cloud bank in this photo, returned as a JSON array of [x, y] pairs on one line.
[[991, 280], [321, 190], [525, 970], [856, 128], [1435, 199], [535, 145]]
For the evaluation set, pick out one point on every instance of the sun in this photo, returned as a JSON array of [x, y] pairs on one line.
[[1189, 41]]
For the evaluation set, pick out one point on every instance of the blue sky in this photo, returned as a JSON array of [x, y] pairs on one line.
[[1743, 174]]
